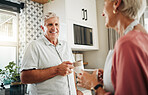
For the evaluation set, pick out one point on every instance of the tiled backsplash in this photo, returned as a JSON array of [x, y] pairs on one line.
[[29, 25]]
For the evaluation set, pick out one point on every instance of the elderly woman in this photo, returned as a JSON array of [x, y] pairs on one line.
[[129, 72]]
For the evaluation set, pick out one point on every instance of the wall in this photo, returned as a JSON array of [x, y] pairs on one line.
[[96, 59], [29, 25]]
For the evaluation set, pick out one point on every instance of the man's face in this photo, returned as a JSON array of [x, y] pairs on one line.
[[51, 28]]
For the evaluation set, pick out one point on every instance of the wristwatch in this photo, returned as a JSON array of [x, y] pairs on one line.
[[97, 86]]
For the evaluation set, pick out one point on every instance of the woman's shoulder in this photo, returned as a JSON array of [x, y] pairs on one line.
[[133, 38]]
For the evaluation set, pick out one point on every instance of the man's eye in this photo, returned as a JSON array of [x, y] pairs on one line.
[[57, 24], [49, 24]]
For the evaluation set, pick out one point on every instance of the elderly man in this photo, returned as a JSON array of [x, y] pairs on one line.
[[46, 65]]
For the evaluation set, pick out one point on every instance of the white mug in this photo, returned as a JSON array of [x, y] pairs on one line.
[[78, 66]]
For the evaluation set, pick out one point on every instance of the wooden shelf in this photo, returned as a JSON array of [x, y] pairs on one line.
[[85, 63], [40, 1]]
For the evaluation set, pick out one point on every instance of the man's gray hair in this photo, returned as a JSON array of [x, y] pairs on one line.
[[132, 8], [47, 16]]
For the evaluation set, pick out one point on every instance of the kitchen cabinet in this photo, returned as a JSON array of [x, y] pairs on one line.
[[83, 11], [75, 12]]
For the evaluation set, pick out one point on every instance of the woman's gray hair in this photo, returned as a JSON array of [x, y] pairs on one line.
[[47, 16], [132, 8]]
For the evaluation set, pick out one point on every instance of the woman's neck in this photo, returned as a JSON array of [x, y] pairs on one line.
[[122, 24]]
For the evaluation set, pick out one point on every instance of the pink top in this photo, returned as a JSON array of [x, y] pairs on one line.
[[130, 64]]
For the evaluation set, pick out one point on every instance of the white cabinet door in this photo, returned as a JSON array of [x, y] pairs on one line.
[[56, 6], [90, 12], [83, 11], [74, 9]]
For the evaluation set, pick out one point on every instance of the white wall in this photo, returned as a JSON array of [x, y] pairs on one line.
[[96, 59]]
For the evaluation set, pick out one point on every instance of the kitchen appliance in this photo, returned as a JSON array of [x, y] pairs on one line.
[[82, 35]]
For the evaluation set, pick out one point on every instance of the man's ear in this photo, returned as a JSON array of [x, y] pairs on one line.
[[42, 28], [117, 4]]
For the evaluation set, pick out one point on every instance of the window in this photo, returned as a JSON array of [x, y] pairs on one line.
[[8, 37]]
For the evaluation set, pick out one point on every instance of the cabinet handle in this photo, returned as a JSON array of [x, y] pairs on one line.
[[86, 15], [83, 12]]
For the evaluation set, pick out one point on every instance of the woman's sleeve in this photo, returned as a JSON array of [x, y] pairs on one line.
[[131, 71]]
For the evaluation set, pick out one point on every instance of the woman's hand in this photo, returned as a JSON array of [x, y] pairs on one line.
[[79, 92], [87, 80], [100, 75]]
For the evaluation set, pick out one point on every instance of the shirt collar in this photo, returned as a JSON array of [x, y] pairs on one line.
[[48, 43], [131, 26]]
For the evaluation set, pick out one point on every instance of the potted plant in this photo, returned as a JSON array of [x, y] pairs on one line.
[[11, 76]]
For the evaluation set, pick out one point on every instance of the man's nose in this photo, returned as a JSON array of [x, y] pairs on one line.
[[53, 27]]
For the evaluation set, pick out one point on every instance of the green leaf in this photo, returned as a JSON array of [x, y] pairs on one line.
[[11, 72]]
